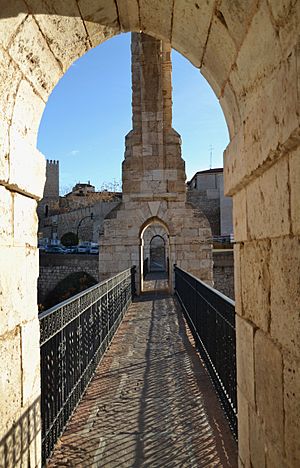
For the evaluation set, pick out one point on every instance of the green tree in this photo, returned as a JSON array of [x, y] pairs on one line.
[[68, 239]]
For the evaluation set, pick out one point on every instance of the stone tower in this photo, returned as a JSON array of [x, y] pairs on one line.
[[154, 190], [50, 201], [51, 189]]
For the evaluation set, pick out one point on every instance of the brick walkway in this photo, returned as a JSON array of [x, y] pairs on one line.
[[151, 402]]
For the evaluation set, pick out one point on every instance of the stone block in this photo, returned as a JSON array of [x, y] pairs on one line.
[[294, 173], [11, 379], [25, 220], [291, 382], [18, 280], [240, 216], [63, 29], [255, 282], [27, 113], [12, 15], [269, 387], [30, 349], [285, 293], [191, 18], [237, 280], [4, 151], [30, 51], [100, 18], [230, 109], [10, 77], [6, 216], [257, 441], [268, 211], [258, 55], [286, 17], [243, 429], [220, 52], [156, 17], [245, 358]]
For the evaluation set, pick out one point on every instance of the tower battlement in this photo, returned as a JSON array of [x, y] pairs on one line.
[[51, 189]]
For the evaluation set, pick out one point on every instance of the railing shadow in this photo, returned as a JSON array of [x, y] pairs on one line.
[[21, 445]]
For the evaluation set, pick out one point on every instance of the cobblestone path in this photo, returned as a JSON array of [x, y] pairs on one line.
[[151, 402]]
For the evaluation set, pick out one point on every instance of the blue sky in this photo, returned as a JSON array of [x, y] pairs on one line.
[[89, 113]]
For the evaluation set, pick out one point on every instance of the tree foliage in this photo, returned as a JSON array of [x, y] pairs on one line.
[[68, 239]]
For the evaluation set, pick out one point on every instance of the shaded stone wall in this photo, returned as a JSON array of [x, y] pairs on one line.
[[56, 267], [224, 272]]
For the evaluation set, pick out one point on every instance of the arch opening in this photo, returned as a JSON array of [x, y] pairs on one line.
[[154, 256]]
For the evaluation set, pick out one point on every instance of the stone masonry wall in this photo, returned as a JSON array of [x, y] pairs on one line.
[[224, 272], [56, 267], [250, 54]]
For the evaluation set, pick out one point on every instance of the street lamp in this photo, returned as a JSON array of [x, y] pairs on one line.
[[91, 216]]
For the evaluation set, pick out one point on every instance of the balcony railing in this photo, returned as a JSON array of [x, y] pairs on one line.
[[211, 318], [74, 337]]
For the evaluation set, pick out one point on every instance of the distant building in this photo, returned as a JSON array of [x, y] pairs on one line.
[[59, 215], [206, 190]]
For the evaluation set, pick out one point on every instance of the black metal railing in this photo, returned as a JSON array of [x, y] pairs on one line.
[[211, 318], [74, 337]]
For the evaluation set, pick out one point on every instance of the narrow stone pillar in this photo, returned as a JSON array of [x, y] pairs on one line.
[[154, 190]]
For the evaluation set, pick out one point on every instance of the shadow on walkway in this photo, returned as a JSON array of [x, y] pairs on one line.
[[151, 402]]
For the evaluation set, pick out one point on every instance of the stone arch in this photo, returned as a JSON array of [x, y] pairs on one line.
[[249, 53], [68, 286], [158, 262], [147, 224]]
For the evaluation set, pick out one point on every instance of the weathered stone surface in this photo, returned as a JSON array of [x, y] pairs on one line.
[[6, 218], [240, 216], [257, 441], [243, 429], [25, 221], [291, 380], [269, 387], [10, 379], [285, 309], [268, 206], [155, 13], [220, 52], [191, 18], [245, 358], [294, 174], [255, 281], [27, 113], [30, 350], [30, 51], [258, 55], [237, 279], [18, 298], [27, 168], [129, 15], [63, 29], [12, 16], [100, 18], [230, 108]]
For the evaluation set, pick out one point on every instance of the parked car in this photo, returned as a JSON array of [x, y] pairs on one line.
[[83, 249], [94, 249], [55, 249], [71, 249]]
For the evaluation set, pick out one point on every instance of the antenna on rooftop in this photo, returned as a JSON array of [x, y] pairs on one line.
[[210, 156]]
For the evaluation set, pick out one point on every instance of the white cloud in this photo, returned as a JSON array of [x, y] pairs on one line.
[[74, 152]]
